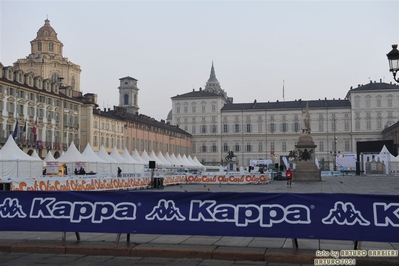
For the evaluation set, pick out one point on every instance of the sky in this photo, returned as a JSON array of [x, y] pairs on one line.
[[308, 49]]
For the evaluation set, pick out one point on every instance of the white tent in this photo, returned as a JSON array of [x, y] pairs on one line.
[[35, 155], [145, 157], [72, 156], [95, 164], [194, 163], [127, 167], [197, 162], [138, 167], [167, 157], [182, 162], [175, 160], [137, 157], [102, 153], [188, 163], [15, 163], [165, 162], [49, 157], [157, 161]]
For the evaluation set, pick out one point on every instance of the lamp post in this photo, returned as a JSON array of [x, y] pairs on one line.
[[334, 152], [393, 58]]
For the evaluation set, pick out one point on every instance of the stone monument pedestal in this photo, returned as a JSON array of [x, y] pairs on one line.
[[305, 169]]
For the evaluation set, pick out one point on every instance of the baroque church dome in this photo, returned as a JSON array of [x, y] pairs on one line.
[[46, 31]]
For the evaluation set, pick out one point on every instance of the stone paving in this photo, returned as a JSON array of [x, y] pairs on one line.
[[46, 248]]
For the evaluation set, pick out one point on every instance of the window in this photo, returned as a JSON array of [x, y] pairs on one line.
[[260, 146], [193, 109], [39, 46], [213, 129], [193, 129], [248, 147], [225, 147], [126, 99], [321, 145], [321, 126], [259, 127], [346, 125], [378, 101], [334, 125], [284, 146], [284, 127], [296, 127], [203, 148], [214, 148], [368, 101], [225, 128], [236, 128], [379, 124], [272, 146], [272, 127], [51, 47], [178, 109], [271, 117], [237, 147], [347, 145], [357, 124], [248, 128], [389, 101], [203, 128], [203, 108], [20, 109], [368, 124], [185, 109], [213, 108], [357, 101]]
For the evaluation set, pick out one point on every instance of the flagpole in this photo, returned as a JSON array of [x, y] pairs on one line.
[[283, 92]]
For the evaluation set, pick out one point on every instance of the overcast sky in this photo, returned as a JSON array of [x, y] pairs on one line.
[[318, 48]]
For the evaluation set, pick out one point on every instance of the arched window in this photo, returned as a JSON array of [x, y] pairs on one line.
[[125, 99], [73, 82], [54, 77]]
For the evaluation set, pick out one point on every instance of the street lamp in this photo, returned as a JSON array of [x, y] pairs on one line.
[[393, 58]]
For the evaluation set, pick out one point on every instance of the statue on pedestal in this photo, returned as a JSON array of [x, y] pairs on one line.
[[305, 126]]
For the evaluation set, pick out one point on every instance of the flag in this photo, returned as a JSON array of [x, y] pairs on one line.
[[15, 134], [24, 132], [34, 129]]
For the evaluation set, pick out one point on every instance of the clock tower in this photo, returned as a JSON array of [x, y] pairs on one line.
[[128, 94]]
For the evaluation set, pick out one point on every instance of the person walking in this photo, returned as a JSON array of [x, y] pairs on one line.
[[288, 174], [119, 172]]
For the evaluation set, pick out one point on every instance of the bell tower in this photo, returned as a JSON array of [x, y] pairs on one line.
[[128, 94]]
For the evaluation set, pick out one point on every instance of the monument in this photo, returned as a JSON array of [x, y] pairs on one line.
[[305, 169]]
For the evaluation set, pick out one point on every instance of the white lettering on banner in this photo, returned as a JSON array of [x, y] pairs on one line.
[[345, 214], [11, 208], [241, 215], [165, 210], [386, 214], [76, 211]]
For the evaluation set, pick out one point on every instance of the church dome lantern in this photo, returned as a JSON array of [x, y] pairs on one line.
[[46, 32]]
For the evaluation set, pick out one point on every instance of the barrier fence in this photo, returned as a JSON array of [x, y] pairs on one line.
[[310, 216], [126, 182]]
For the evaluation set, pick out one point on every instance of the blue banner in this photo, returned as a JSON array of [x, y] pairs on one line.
[[313, 216]]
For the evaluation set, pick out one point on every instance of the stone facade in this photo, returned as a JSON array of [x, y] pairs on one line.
[[268, 130]]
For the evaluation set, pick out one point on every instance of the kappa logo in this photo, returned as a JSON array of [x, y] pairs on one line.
[[11, 208], [165, 210], [345, 213]]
